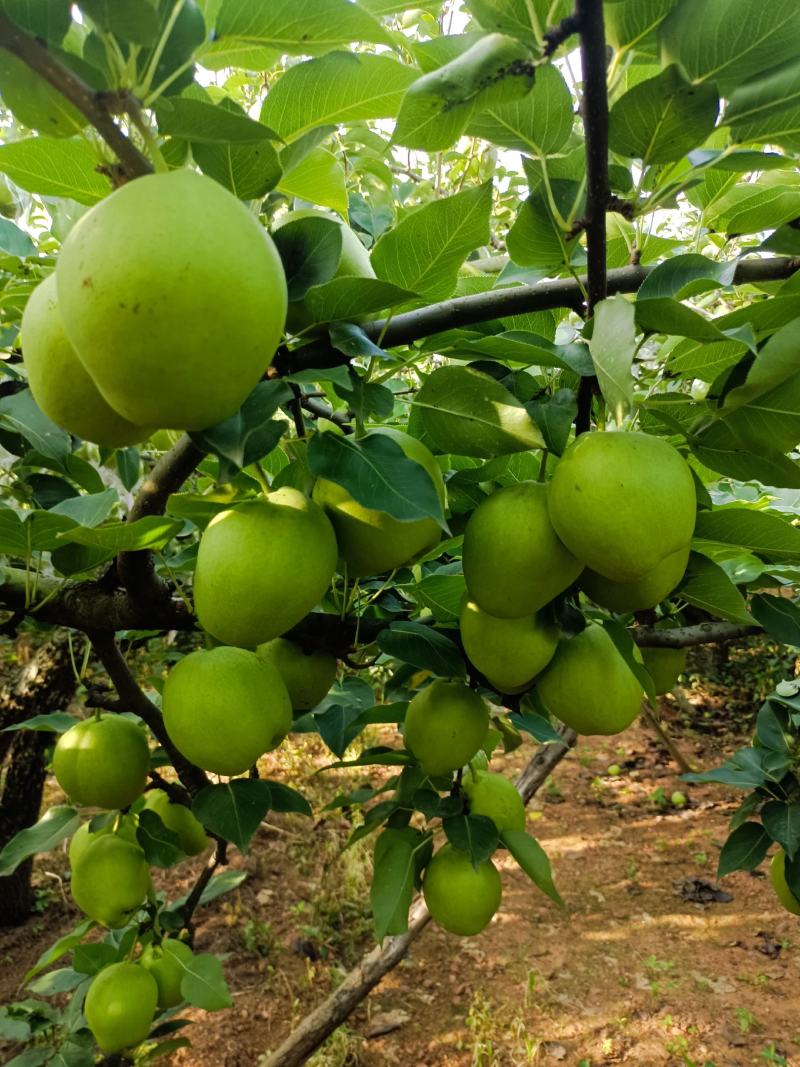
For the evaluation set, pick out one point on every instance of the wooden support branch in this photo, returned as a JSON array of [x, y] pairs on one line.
[[132, 698], [702, 633], [461, 312], [97, 107], [319, 1024], [146, 590]]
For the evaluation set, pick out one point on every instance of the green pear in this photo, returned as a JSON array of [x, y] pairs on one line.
[[494, 796], [123, 826], [102, 762], [262, 566], [167, 966], [110, 880], [445, 725], [353, 263], [120, 1006], [622, 502], [641, 593], [509, 653], [224, 708], [780, 885], [370, 541], [461, 898], [307, 675], [589, 686], [174, 297], [664, 665], [514, 563], [60, 383], [177, 817]]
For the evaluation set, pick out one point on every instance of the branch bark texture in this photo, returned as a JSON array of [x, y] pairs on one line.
[[317, 1026]]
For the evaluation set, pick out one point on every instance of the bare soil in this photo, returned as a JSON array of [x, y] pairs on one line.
[[642, 967]]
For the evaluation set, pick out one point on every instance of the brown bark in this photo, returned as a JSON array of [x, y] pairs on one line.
[[44, 684]]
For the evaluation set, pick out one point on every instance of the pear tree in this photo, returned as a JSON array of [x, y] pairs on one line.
[[418, 383]]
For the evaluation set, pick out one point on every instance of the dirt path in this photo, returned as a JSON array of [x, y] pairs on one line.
[[631, 972]]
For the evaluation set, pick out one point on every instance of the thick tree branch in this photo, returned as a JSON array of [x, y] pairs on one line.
[[332, 1012], [132, 698], [703, 633], [461, 312], [95, 106], [145, 589], [594, 108]]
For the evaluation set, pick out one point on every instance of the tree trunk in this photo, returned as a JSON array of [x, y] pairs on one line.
[[46, 683]]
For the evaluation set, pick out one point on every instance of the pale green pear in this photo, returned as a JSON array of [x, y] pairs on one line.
[[641, 593], [307, 675], [262, 566], [664, 665], [496, 797], [509, 653], [589, 686], [370, 541], [514, 563], [622, 502], [174, 297], [60, 383], [445, 725]]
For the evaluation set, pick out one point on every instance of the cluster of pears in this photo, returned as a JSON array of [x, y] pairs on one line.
[[617, 517], [103, 762], [165, 308]]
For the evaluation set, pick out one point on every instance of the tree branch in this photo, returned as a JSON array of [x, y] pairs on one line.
[[146, 590], [95, 106], [219, 858], [332, 1012], [703, 633], [133, 699], [461, 312]]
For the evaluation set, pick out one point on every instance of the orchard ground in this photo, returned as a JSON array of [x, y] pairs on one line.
[[632, 972]]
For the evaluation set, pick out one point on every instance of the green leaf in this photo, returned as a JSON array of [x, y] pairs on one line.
[[53, 166], [130, 20], [348, 299], [233, 810], [516, 16], [436, 108], [769, 468], [295, 26], [318, 177], [203, 983], [205, 123], [529, 349], [745, 770], [249, 171], [538, 124], [160, 845], [536, 725], [471, 414], [744, 850], [535, 240], [775, 362], [630, 22], [59, 948], [89, 959], [378, 474], [476, 835], [686, 275], [422, 647], [773, 728], [612, 345], [55, 722], [310, 250], [762, 532], [338, 88], [284, 798], [554, 417], [15, 241], [726, 42], [88, 510], [441, 594], [47, 19], [779, 617], [62, 980], [750, 209], [338, 726], [393, 881], [21, 414], [782, 823], [153, 531], [54, 826], [425, 249], [767, 109], [707, 586], [250, 434], [663, 118], [532, 858]]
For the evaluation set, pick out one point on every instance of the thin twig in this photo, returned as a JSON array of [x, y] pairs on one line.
[[219, 858], [97, 107]]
